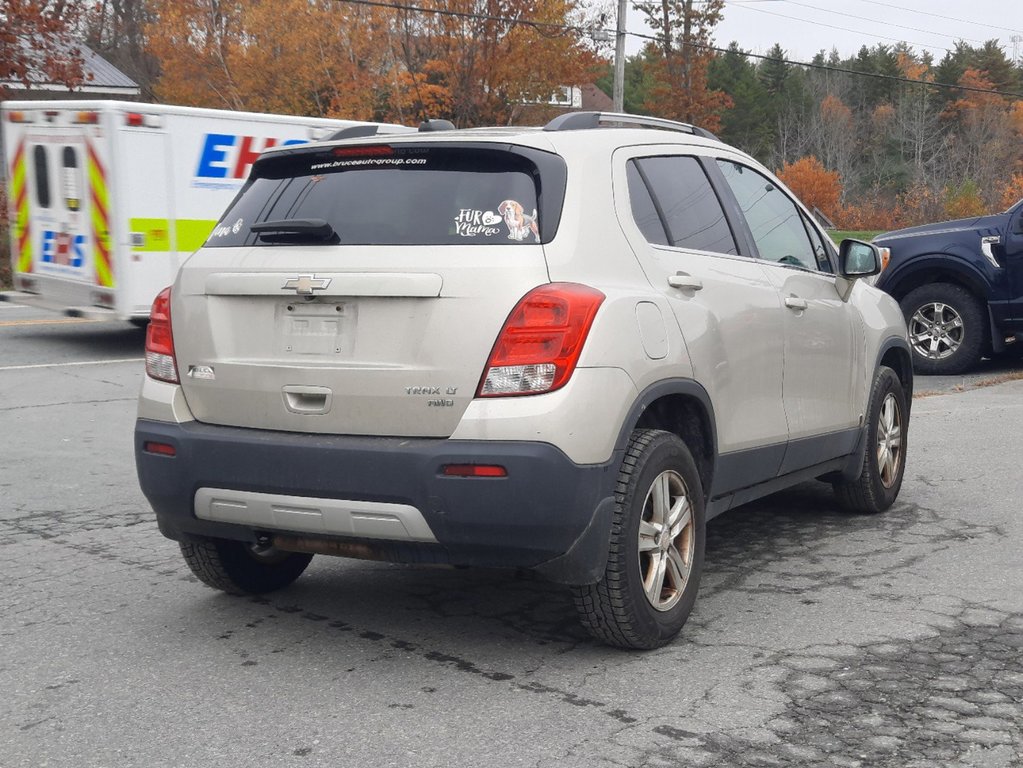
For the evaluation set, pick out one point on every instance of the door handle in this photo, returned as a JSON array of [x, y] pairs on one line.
[[684, 280], [796, 303]]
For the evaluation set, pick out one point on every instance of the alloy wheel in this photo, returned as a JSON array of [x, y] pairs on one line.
[[936, 330], [889, 441], [667, 538]]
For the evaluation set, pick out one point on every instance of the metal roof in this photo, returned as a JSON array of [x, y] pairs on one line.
[[100, 76]]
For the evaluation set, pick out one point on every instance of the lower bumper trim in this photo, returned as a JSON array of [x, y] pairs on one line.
[[332, 517]]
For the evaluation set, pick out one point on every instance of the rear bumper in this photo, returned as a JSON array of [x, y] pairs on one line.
[[548, 513]]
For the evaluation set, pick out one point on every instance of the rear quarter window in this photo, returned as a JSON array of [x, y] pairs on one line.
[[401, 195]]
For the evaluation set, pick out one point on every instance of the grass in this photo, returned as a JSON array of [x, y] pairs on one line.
[[838, 235]]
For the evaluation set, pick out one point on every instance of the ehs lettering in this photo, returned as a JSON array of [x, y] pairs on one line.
[[63, 248], [225, 155]]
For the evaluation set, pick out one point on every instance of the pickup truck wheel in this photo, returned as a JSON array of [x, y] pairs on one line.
[[655, 555], [885, 459], [239, 568], [947, 328]]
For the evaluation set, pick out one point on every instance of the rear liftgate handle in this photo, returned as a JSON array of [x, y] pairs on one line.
[[307, 400]]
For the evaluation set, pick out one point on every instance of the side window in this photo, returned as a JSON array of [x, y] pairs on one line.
[[774, 220], [820, 248], [686, 202], [644, 212], [42, 173]]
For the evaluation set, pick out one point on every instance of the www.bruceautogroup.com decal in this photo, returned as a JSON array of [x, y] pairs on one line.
[[349, 162]]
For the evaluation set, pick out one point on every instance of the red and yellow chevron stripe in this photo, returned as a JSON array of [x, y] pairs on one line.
[[100, 219], [19, 194]]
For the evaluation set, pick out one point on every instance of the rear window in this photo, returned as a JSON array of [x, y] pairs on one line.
[[402, 195]]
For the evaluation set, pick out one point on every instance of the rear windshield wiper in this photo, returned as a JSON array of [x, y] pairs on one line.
[[292, 229]]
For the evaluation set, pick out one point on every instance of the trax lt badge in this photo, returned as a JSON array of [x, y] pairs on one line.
[[304, 285]]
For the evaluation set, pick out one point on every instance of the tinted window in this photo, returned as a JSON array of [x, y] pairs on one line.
[[405, 195], [42, 171], [774, 220], [686, 201], [644, 212]]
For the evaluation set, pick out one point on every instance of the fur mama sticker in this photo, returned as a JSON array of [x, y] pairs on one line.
[[474, 222], [471, 222]]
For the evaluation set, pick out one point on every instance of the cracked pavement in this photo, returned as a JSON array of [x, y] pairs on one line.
[[819, 638]]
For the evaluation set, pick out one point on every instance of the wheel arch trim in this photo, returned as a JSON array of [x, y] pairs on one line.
[[901, 280], [666, 388]]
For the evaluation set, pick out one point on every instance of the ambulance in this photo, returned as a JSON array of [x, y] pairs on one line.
[[108, 198]]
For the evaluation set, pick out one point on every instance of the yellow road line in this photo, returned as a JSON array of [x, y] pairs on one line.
[[47, 321]]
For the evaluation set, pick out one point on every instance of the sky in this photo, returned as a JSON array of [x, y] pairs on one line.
[[804, 27]]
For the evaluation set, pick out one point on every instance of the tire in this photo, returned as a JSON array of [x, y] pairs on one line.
[[239, 568], [947, 328], [618, 609], [884, 461]]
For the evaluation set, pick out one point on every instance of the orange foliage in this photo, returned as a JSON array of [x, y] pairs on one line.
[[878, 210], [1016, 117], [812, 183], [1012, 191], [913, 69], [964, 201], [321, 57], [974, 101], [834, 111], [883, 115]]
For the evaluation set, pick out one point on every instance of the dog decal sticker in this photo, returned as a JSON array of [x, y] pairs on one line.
[[519, 224]]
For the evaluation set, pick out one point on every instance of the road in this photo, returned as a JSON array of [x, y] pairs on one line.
[[819, 638]]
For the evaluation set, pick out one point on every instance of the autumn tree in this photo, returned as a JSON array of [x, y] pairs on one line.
[[484, 63], [681, 91], [37, 43], [473, 62], [812, 183]]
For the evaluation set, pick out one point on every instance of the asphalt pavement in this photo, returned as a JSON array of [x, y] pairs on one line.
[[819, 638]]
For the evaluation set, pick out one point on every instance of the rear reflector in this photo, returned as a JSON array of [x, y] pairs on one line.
[[161, 449], [474, 470]]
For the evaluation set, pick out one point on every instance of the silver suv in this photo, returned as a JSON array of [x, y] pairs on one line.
[[562, 349]]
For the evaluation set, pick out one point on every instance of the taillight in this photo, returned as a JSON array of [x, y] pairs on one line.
[[541, 341], [160, 363]]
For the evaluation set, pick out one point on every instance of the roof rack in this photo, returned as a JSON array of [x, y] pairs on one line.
[[362, 131], [574, 121]]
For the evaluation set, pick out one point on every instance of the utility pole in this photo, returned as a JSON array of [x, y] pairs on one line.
[[619, 82]]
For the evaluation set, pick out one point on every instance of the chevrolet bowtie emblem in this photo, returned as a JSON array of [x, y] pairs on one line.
[[304, 285]]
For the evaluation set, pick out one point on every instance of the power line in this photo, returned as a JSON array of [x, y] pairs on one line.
[[841, 29], [877, 21], [939, 16], [657, 39]]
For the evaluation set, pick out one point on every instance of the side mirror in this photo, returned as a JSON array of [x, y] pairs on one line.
[[858, 259]]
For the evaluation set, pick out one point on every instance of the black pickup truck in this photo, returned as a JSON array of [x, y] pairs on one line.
[[960, 286]]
